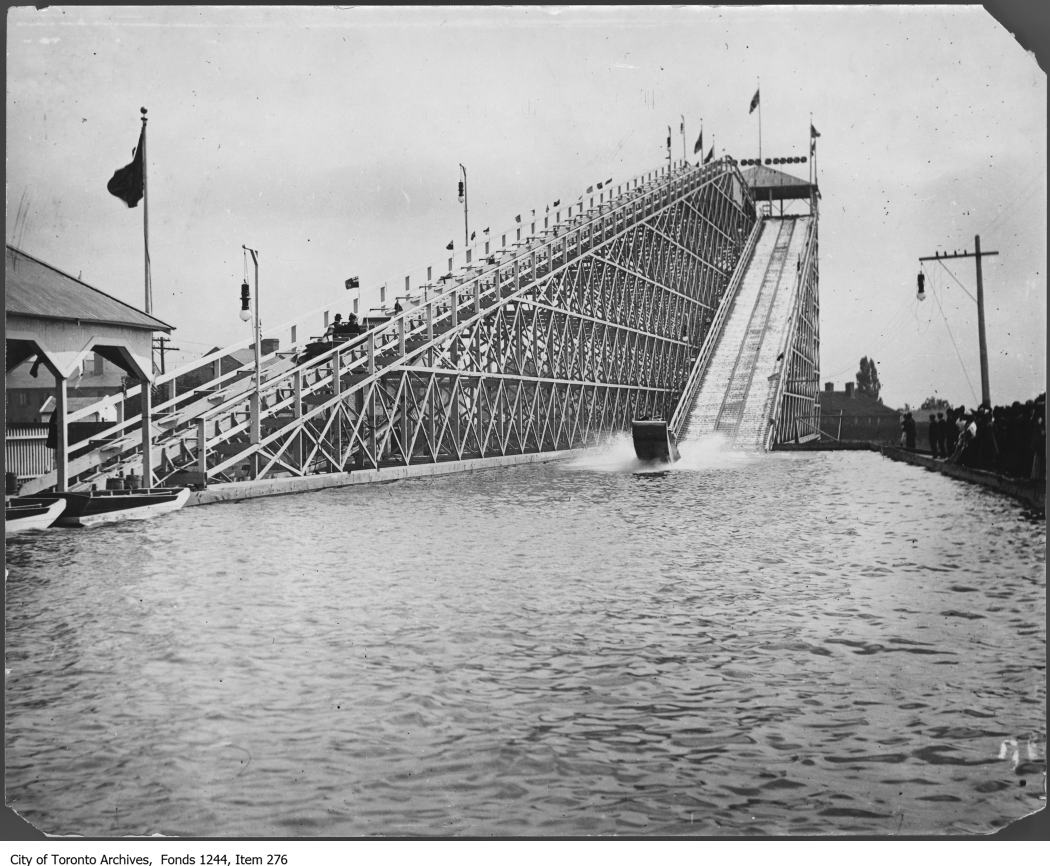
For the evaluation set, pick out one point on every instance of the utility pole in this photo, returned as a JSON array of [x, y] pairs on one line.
[[160, 345], [982, 339]]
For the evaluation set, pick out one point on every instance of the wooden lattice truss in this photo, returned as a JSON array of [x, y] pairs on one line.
[[548, 346]]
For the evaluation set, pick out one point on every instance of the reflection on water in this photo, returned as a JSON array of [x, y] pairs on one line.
[[747, 644]]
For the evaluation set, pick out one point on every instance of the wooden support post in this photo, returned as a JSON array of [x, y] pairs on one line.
[[147, 433], [61, 437], [297, 412], [202, 447], [405, 434]]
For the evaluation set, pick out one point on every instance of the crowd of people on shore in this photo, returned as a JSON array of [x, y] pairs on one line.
[[1009, 440]]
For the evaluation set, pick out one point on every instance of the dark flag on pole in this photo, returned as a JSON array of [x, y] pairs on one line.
[[668, 136], [710, 155], [813, 131], [126, 183], [754, 102], [699, 146], [353, 283]]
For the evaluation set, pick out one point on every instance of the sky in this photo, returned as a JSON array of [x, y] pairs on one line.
[[330, 140]]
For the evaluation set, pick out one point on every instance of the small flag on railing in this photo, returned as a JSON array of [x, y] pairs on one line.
[[353, 283], [449, 245], [558, 202], [517, 219], [754, 102], [609, 181], [599, 186], [472, 235], [485, 231], [590, 189]]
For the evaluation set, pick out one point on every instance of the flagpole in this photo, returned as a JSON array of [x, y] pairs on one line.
[[145, 219], [812, 149], [758, 90], [466, 222]]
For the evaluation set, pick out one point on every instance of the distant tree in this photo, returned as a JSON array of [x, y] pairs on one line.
[[935, 403], [868, 378]]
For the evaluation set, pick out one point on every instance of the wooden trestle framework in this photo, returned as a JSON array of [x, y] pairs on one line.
[[796, 398], [549, 345]]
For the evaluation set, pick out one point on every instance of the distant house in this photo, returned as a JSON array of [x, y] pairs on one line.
[[852, 415]]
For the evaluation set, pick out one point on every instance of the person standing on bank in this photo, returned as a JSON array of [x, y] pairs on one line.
[[909, 431], [934, 434]]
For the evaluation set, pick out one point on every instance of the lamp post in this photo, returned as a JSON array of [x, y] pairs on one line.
[[463, 199], [256, 397]]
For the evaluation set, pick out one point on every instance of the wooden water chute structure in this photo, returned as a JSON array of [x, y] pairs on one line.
[[565, 334], [794, 405]]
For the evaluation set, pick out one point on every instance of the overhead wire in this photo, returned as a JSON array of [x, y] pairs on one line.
[[955, 346], [961, 286]]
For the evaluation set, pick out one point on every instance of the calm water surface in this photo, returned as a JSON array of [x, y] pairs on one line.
[[785, 644]]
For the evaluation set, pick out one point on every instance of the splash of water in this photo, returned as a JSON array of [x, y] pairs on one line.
[[705, 453]]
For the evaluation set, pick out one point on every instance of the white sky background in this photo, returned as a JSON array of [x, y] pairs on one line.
[[330, 139]]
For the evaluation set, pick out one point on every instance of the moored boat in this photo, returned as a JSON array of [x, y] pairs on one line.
[[31, 512], [654, 442], [90, 508]]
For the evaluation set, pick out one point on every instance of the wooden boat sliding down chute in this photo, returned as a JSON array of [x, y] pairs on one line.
[[654, 442]]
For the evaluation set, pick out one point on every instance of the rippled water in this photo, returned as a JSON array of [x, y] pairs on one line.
[[826, 643]]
